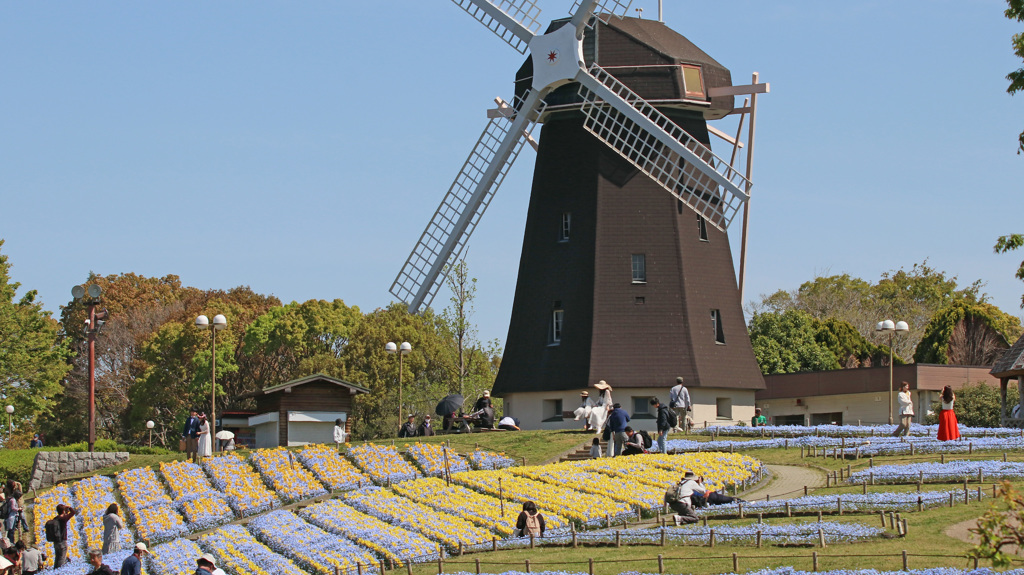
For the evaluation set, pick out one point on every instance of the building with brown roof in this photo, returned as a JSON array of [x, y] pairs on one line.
[[1011, 366]]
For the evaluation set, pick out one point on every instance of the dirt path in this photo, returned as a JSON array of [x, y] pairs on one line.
[[787, 482]]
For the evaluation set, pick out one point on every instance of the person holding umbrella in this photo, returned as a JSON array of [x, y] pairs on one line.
[[447, 409]]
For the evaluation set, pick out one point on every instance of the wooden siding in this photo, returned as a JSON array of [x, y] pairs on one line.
[[872, 379], [312, 396]]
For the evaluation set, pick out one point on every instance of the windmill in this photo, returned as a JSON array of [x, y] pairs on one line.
[[601, 130]]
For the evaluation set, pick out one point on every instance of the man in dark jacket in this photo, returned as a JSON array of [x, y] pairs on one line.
[[617, 420], [190, 433], [96, 560], [664, 425], [60, 546], [426, 429], [408, 428]]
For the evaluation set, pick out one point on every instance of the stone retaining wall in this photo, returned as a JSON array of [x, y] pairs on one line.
[[53, 466]]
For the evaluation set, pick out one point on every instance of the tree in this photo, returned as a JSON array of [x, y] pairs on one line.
[[967, 333], [1013, 241], [785, 343], [849, 347], [33, 360], [477, 363], [1015, 11], [1001, 526]]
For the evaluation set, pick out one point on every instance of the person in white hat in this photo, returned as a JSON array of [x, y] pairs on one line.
[[206, 565], [584, 410], [132, 565]]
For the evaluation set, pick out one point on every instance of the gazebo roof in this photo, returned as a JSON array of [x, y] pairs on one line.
[[1012, 362]]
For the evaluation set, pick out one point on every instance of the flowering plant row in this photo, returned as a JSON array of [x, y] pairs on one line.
[[245, 491], [382, 463], [635, 494], [481, 509], [793, 571], [717, 468], [333, 470], [93, 496], [386, 506], [45, 508], [916, 429], [175, 558], [386, 540], [186, 480], [315, 550], [949, 471], [289, 478], [481, 459], [238, 552], [876, 501], [82, 567], [158, 523], [140, 488], [436, 460], [206, 511], [587, 508]]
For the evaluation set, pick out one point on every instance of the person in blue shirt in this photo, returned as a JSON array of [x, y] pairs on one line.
[[617, 420], [190, 434], [132, 565]]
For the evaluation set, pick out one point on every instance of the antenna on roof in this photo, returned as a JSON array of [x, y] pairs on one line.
[[639, 12]]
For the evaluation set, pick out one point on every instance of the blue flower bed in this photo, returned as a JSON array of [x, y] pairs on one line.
[[949, 471], [916, 429], [314, 549], [234, 547], [481, 459], [792, 571], [852, 446], [880, 501]]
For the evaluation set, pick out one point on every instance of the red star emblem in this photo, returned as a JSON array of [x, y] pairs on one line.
[[552, 55]]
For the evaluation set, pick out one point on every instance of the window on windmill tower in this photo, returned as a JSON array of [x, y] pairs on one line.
[[563, 231], [716, 326], [693, 81], [557, 318], [639, 268], [702, 228]]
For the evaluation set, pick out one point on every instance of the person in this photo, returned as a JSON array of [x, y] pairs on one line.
[[449, 421], [36, 442], [595, 448], [60, 546], [132, 565], [508, 424], [602, 407], [339, 433], [530, 521], [96, 560], [679, 401], [112, 526], [584, 410], [190, 433], [12, 507], [679, 498], [949, 427], [634, 444], [484, 401], [13, 555], [906, 410], [483, 417], [205, 438], [710, 497], [205, 565], [758, 420], [31, 559], [617, 420], [426, 429], [408, 428], [664, 424]]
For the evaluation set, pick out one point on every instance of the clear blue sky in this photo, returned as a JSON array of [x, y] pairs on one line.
[[300, 147]]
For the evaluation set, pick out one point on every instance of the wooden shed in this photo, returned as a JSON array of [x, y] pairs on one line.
[[1011, 366], [302, 411]]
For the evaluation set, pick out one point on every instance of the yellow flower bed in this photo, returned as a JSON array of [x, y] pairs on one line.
[[574, 477], [45, 508], [718, 469], [481, 509]]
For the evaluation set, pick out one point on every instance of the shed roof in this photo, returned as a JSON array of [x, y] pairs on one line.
[[353, 388], [1012, 362]]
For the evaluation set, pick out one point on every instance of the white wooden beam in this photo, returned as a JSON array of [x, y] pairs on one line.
[[749, 89], [725, 136]]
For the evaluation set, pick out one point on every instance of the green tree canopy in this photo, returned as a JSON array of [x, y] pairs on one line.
[[1015, 11], [1008, 244], [786, 343], [33, 360], [967, 333]]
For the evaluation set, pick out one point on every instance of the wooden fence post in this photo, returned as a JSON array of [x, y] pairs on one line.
[[735, 563], [711, 537], [905, 560], [618, 538], [590, 562], [494, 543], [789, 511], [408, 566], [662, 538], [661, 563], [477, 561], [920, 503], [814, 560], [758, 538], [527, 563], [359, 567], [821, 538], [531, 543]]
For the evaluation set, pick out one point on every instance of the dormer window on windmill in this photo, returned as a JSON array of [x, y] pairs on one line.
[[693, 81]]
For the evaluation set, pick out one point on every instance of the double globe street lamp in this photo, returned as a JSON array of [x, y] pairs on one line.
[[402, 351], [887, 326], [219, 322]]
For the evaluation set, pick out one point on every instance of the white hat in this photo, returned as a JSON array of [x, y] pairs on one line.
[[585, 393], [4, 563], [140, 546], [208, 558], [487, 393]]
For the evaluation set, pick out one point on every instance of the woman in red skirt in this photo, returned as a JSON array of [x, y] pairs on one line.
[[948, 426]]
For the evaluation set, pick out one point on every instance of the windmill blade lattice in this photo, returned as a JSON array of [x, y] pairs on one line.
[[469, 195], [659, 148], [605, 7], [514, 21]]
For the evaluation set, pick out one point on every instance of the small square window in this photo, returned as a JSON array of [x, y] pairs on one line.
[[693, 81], [557, 317], [552, 410], [641, 406], [723, 407], [702, 228], [716, 326], [639, 300], [563, 231], [639, 268]]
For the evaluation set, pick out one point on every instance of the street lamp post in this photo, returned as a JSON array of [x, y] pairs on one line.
[[10, 421], [92, 327], [219, 323], [149, 426], [891, 328], [404, 351]]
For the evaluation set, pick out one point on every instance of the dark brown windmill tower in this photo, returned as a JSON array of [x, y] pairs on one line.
[[626, 272]]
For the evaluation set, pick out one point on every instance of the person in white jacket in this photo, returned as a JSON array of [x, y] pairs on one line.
[[906, 410], [339, 432]]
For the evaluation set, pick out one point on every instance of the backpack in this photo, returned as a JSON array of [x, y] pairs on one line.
[[673, 421], [698, 499], [532, 525], [648, 442], [52, 529], [672, 494]]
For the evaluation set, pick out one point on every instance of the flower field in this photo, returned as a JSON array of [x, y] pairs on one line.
[[92, 497], [46, 508], [386, 540], [436, 459], [944, 472], [238, 552], [290, 479], [245, 490], [314, 549], [333, 470], [383, 464], [481, 459], [916, 429], [175, 558], [185, 479]]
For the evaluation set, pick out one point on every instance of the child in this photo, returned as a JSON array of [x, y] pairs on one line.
[[595, 448]]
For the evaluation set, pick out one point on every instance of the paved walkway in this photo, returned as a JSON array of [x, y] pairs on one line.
[[787, 482]]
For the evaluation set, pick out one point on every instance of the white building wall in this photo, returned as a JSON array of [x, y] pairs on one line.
[[535, 410], [856, 408], [266, 435]]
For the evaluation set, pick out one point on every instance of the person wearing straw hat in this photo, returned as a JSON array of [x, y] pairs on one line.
[[584, 410], [132, 565]]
